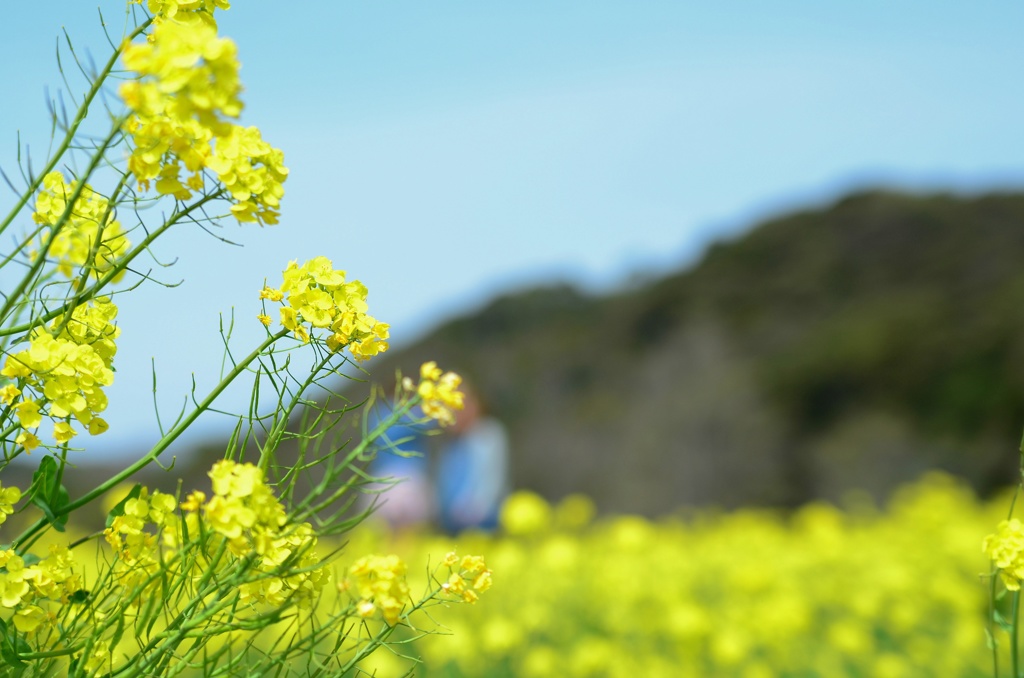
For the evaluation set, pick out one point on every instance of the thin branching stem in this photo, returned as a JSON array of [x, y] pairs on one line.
[[69, 136]]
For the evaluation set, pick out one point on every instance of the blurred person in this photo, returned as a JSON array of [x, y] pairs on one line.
[[407, 498], [472, 469]]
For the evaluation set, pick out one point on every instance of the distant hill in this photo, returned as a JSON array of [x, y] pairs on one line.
[[850, 347]]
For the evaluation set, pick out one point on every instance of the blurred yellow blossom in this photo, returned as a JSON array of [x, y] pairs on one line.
[[89, 224], [748, 592], [27, 619], [525, 512], [271, 294], [381, 585], [9, 496], [29, 441], [439, 392], [1006, 549], [62, 432], [468, 577], [184, 11], [8, 393]]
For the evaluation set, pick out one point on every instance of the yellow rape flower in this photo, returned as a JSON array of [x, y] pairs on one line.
[[9, 496], [13, 588], [29, 441], [183, 99], [8, 393], [27, 412], [252, 171], [381, 584], [193, 501], [65, 374], [439, 392], [27, 619], [1006, 549], [271, 294], [468, 577], [429, 371], [98, 425], [185, 72], [91, 219], [315, 296], [242, 502], [62, 432], [184, 11], [231, 479]]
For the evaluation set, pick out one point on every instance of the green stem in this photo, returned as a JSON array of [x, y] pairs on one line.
[[72, 201], [992, 623], [157, 449], [69, 136], [112, 273], [51, 653], [283, 415], [94, 250], [386, 631], [306, 508], [1014, 634]]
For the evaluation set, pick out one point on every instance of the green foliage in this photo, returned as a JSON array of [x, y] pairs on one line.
[[189, 581], [48, 494]]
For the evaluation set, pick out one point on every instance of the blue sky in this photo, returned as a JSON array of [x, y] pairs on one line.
[[444, 152]]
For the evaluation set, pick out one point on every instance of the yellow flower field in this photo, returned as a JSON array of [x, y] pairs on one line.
[[859, 591]]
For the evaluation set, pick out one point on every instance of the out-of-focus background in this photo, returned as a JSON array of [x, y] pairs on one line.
[[589, 208], [689, 255]]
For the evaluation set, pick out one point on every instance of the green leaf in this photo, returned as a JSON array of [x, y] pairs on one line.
[[118, 631], [1001, 621], [990, 640], [48, 494], [118, 510], [10, 646]]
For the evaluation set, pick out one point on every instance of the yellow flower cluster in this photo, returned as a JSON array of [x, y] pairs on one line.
[[184, 11], [90, 237], [25, 589], [243, 514], [253, 172], [243, 507], [379, 582], [9, 496], [137, 558], [63, 376], [468, 577], [439, 392], [1006, 549], [245, 511], [185, 93], [318, 294]]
